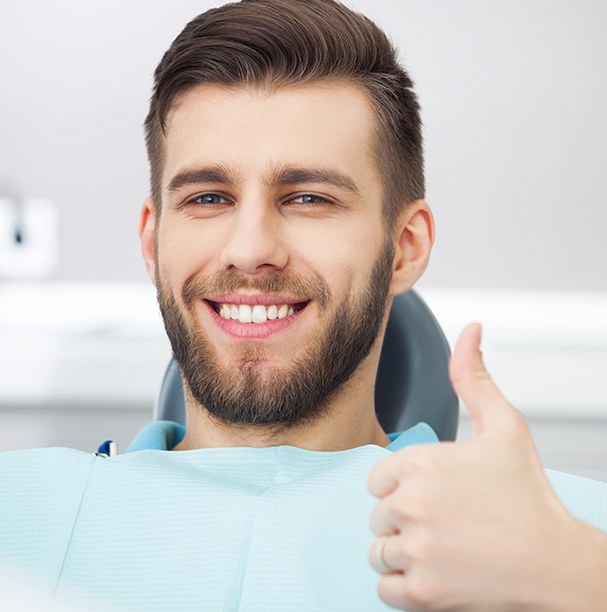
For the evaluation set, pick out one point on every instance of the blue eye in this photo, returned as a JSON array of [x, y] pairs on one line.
[[208, 199], [308, 198]]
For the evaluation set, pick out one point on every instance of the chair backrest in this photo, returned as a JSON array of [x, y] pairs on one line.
[[412, 382]]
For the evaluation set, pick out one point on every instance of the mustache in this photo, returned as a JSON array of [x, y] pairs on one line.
[[312, 287]]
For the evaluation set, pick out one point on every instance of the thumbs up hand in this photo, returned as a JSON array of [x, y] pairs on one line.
[[477, 526]]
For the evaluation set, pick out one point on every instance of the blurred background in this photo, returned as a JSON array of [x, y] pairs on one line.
[[513, 96]]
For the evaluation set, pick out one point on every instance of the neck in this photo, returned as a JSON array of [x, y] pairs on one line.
[[348, 420]]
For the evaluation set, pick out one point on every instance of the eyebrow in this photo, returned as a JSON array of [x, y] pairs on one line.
[[282, 176], [212, 174], [329, 176]]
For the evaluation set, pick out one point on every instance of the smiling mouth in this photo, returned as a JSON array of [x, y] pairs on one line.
[[256, 313]]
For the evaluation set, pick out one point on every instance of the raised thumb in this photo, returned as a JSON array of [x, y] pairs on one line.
[[488, 409]]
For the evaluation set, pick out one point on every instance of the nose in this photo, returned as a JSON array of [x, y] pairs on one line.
[[254, 242]]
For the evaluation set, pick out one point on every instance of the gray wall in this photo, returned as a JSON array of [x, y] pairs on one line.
[[513, 94]]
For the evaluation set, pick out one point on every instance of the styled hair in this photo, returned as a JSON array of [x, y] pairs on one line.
[[277, 43]]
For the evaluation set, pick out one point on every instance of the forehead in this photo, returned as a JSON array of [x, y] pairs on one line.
[[325, 124]]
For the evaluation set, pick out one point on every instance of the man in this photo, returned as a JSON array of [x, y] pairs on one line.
[[286, 212]]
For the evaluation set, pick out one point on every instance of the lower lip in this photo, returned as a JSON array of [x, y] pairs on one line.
[[252, 331]]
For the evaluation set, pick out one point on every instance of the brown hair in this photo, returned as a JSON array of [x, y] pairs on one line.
[[274, 43]]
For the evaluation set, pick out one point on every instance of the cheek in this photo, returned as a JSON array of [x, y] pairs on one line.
[[344, 259], [184, 249]]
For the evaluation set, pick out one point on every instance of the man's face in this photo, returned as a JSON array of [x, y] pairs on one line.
[[271, 260]]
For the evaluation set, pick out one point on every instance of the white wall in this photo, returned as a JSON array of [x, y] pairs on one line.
[[513, 96]]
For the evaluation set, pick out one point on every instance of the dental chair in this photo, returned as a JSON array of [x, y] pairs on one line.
[[412, 383]]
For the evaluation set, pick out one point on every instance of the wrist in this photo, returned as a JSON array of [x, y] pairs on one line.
[[576, 576], [594, 587]]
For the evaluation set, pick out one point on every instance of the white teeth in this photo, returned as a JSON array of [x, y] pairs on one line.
[[245, 315], [257, 313]]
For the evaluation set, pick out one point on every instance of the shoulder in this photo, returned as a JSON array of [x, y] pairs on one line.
[[38, 464], [41, 492], [36, 483]]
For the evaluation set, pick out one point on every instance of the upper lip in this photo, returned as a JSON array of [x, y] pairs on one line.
[[256, 298]]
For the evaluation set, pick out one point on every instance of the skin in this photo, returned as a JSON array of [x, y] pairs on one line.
[[444, 546], [258, 227], [477, 526]]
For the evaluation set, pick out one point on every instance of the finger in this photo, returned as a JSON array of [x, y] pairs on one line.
[[392, 589], [487, 407], [385, 519], [386, 475]]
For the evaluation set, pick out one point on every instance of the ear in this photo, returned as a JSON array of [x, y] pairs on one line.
[[147, 231], [414, 243]]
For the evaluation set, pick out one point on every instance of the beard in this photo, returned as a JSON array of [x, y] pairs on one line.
[[248, 392]]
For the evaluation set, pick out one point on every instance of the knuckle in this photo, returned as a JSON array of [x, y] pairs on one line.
[[418, 549], [520, 423], [374, 522], [473, 376], [380, 517], [421, 546], [421, 459], [398, 550], [409, 506], [517, 429], [399, 557], [400, 509], [375, 481]]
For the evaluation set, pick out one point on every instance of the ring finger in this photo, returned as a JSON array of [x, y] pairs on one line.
[[387, 554]]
